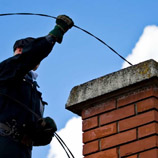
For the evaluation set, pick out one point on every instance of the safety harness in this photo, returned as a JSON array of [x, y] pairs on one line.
[[5, 130]]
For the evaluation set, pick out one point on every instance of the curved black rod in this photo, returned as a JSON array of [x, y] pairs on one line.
[[49, 16]]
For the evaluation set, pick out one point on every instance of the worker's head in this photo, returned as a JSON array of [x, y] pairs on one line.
[[20, 44]]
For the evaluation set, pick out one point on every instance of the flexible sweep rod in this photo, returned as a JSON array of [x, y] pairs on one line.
[[49, 16]]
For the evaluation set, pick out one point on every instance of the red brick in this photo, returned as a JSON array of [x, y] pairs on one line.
[[90, 123], [99, 108], [91, 147], [137, 95], [134, 156], [149, 154], [118, 139], [112, 153], [138, 146], [137, 120], [147, 104], [99, 132], [148, 130], [117, 114]]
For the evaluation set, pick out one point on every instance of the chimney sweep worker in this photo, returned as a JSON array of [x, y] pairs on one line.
[[21, 129]]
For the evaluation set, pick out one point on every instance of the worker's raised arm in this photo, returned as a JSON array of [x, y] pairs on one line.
[[33, 52]]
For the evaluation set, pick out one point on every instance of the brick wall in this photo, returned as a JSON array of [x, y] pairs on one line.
[[119, 113], [122, 126]]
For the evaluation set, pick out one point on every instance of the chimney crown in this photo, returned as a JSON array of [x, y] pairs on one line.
[[110, 83]]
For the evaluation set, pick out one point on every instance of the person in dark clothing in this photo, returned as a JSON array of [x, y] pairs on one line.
[[22, 125]]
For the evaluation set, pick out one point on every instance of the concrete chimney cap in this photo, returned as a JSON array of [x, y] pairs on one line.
[[112, 82]]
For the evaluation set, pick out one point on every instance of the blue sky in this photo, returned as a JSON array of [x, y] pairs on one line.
[[79, 58]]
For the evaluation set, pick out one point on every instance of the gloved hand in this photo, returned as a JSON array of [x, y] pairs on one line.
[[44, 132], [63, 24], [47, 123]]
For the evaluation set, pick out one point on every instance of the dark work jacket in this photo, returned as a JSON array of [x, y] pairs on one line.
[[15, 83]]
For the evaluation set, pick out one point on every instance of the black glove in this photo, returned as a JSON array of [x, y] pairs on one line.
[[63, 24], [44, 131]]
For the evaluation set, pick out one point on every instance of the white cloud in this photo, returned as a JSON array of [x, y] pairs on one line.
[[146, 47], [72, 136]]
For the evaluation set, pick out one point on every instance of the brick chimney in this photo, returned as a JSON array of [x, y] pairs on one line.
[[119, 113]]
